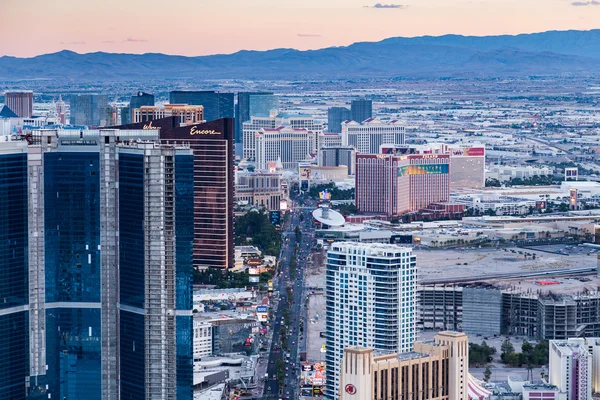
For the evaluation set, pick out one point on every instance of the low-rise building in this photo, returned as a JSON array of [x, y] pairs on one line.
[[261, 189], [505, 173], [202, 339]]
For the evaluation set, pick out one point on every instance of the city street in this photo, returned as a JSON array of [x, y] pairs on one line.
[[283, 281]]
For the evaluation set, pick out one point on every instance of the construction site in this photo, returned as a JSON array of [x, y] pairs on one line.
[[550, 292]]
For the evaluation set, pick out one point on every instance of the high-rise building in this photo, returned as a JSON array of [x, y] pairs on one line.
[[73, 263], [361, 110], [14, 272], [370, 302], [88, 109], [336, 156], [61, 110], [368, 136], [186, 115], [20, 102], [156, 234], [141, 99], [277, 121], [435, 370], [249, 131], [304, 122], [96, 255], [570, 368], [125, 115], [467, 164], [285, 143], [252, 104], [137, 101], [216, 105], [393, 185], [335, 117], [212, 144]]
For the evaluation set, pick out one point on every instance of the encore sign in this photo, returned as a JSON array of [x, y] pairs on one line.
[[195, 131]]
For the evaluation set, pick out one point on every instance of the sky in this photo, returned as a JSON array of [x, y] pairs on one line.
[[202, 27]]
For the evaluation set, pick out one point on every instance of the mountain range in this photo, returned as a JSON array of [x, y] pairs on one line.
[[540, 54]]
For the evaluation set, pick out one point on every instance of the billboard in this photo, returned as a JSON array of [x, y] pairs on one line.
[[424, 169], [275, 217], [325, 195], [468, 152], [262, 313], [304, 173], [307, 367]]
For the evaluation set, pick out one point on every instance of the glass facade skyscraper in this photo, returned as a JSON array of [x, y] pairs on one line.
[[361, 110], [14, 296], [156, 207], [88, 109], [252, 104], [216, 105], [212, 144], [137, 100], [97, 233], [72, 278], [335, 117]]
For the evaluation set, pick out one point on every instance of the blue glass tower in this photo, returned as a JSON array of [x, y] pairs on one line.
[[335, 117], [156, 214], [216, 105], [73, 280], [14, 317], [361, 110], [252, 104], [73, 242]]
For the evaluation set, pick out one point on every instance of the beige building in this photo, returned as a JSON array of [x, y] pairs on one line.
[[328, 174], [259, 188], [436, 370], [187, 115]]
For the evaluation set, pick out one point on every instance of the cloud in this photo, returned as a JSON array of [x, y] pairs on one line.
[[308, 35], [133, 39], [585, 3], [73, 43], [396, 6]]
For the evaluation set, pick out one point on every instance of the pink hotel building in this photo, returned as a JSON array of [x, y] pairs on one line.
[[397, 184]]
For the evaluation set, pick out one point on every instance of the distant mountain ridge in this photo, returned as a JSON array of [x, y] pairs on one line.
[[545, 53]]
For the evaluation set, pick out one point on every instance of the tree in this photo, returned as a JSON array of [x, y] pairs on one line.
[[256, 228], [507, 347], [490, 212], [487, 374], [480, 355]]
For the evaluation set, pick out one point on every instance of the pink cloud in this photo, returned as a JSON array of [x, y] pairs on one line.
[[133, 39]]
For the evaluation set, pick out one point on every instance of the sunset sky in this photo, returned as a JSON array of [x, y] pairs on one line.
[[200, 27]]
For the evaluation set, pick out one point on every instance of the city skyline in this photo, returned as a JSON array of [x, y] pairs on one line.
[[269, 24]]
